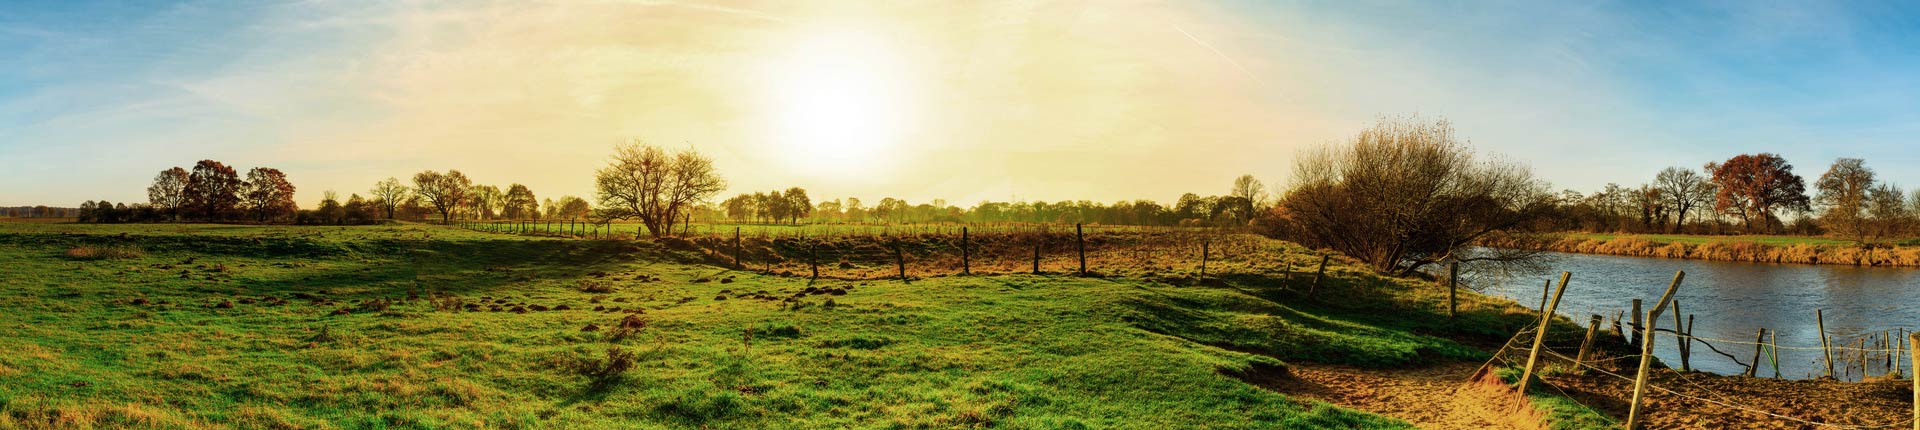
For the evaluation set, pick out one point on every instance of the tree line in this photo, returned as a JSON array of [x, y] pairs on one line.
[[1747, 194]]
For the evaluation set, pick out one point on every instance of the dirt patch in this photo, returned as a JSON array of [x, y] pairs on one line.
[[1706, 401], [1432, 397]]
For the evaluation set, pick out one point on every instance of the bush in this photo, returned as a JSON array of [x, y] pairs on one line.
[[110, 252], [601, 374]]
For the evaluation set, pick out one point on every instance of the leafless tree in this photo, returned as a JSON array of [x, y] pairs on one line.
[[647, 183], [1842, 197], [446, 192], [1406, 194], [169, 191], [1684, 190], [389, 194]]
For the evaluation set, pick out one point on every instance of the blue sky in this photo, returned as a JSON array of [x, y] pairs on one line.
[[993, 99]]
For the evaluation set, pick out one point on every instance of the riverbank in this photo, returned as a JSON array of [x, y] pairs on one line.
[[1744, 249]]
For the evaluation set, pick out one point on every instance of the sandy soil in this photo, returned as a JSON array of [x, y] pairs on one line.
[[1434, 397]]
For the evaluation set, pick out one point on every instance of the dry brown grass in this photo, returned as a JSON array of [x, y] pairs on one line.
[[106, 252], [1735, 251]]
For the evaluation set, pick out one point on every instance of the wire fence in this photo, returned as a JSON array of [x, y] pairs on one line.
[[869, 252]]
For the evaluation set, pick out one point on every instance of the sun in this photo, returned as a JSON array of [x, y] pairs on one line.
[[839, 101]]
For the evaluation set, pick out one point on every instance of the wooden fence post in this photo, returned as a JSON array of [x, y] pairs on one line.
[[1036, 254], [1593, 327], [1080, 239], [966, 253], [1646, 352], [1544, 290], [1453, 290], [900, 259], [1205, 251], [813, 258], [1636, 327], [1820, 322], [1540, 334], [1913, 341], [736, 247], [1759, 343], [1682, 342], [1317, 276]]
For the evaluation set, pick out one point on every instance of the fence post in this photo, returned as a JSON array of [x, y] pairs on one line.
[[1646, 352], [1680, 335], [1080, 239], [1913, 341], [1036, 254], [736, 247], [1636, 327], [1540, 335], [1580, 360], [966, 253], [1544, 290], [1322, 274], [1758, 344], [1820, 322], [900, 259], [1453, 275], [813, 258], [1205, 251]]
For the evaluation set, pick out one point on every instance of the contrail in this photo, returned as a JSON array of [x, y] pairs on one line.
[[1223, 55]]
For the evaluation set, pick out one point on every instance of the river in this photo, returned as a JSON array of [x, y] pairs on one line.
[[1733, 300]]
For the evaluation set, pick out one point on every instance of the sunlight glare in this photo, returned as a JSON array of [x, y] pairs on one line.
[[839, 96]]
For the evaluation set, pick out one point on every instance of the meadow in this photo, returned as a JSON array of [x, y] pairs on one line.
[[418, 326]]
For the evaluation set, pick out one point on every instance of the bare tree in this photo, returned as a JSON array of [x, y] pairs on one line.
[[389, 194], [647, 183], [169, 191], [1683, 189], [446, 192], [1252, 195], [1842, 196], [1406, 194]]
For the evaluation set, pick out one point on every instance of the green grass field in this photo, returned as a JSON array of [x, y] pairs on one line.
[[414, 326]]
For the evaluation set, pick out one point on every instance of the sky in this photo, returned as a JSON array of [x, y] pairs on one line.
[[962, 101]]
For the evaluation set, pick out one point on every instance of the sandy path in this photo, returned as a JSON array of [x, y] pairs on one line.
[[1433, 397]]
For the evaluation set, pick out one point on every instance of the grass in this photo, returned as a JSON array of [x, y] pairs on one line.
[[411, 326]]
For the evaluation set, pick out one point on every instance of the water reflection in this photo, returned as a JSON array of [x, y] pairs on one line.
[[1733, 300]]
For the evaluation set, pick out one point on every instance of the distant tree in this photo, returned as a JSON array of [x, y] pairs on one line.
[[389, 194], [647, 183], [485, 201], [87, 211], [1406, 194], [103, 212], [1842, 197], [358, 210], [330, 211], [739, 208], [519, 203], [1683, 190], [1886, 205], [1252, 195], [829, 210], [445, 192], [549, 209], [1754, 187], [574, 207], [213, 191], [269, 196], [169, 191], [855, 211], [798, 205]]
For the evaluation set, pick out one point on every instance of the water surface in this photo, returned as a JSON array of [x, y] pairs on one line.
[[1733, 300]]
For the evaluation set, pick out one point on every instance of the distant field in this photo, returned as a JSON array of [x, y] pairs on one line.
[[1693, 239], [417, 326]]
